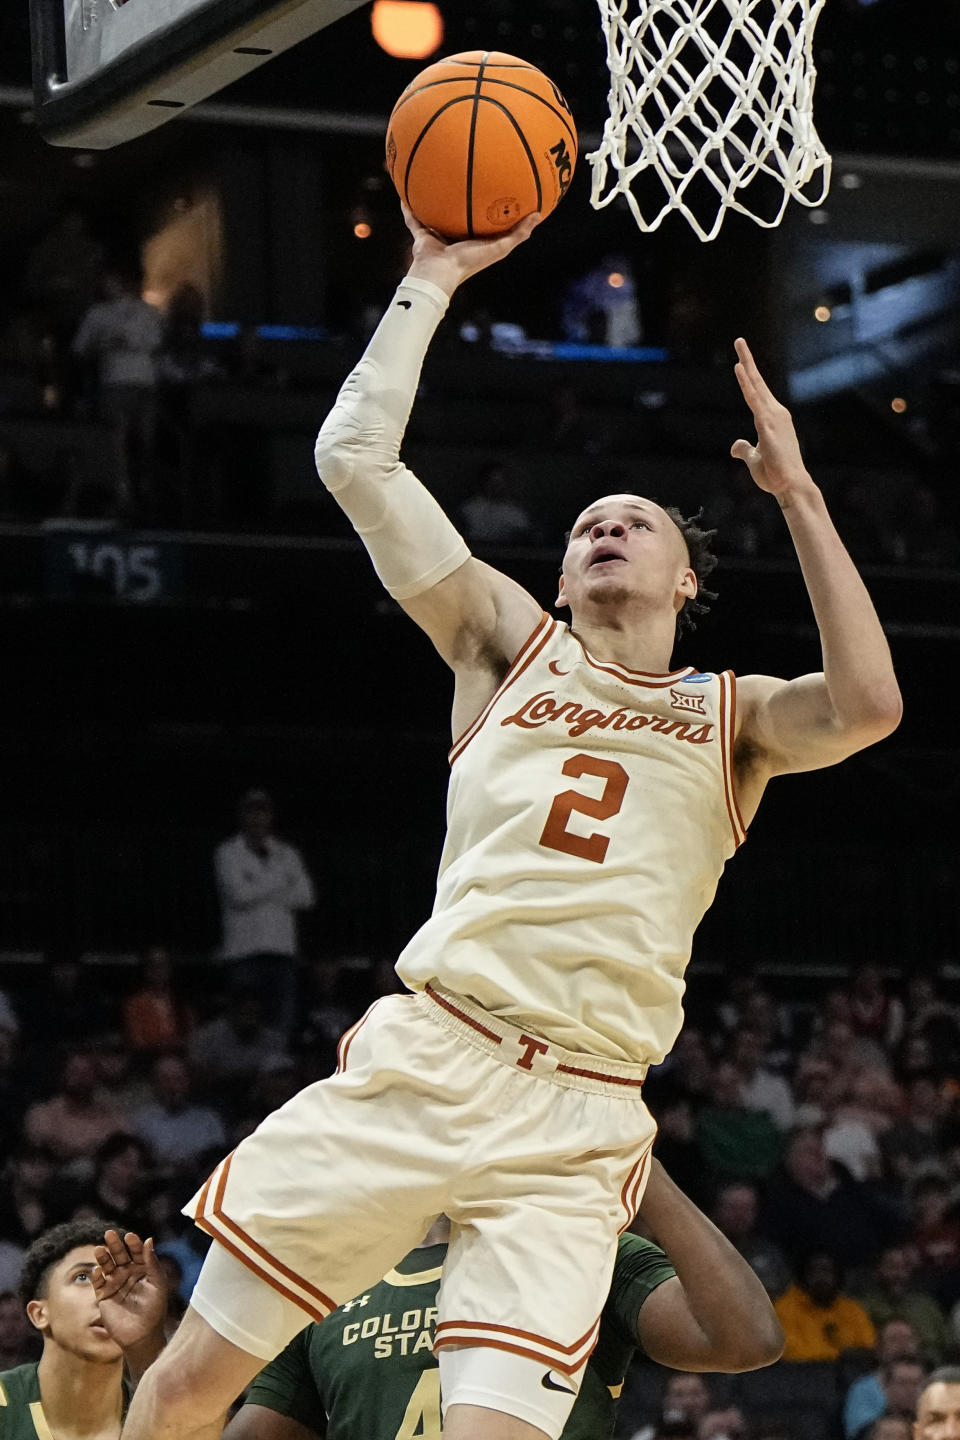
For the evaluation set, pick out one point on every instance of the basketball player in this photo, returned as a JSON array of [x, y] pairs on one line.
[[368, 1372], [595, 797], [938, 1409], [92, 1353]]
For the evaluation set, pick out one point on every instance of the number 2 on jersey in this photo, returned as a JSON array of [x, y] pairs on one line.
[[555, 834]]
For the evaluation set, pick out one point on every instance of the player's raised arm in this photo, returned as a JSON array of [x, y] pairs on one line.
[[818, 719], [714, 1314], [466, 608]]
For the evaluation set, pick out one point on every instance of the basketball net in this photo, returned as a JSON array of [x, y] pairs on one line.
[[709, 96]]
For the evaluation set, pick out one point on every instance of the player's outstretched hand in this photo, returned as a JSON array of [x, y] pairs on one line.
[[130, 1288], [449, 262], [774, 460]]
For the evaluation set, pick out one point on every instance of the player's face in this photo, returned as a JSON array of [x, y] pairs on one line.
[[68, 1314], [938, 1413], [624, 547]]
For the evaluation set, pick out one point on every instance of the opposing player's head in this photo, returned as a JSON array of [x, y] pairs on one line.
[[938, 1408], [56, 1287], [629, 555]]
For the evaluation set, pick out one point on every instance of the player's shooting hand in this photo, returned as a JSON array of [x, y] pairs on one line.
[[130, 1288], [449, 262], [774, 460]]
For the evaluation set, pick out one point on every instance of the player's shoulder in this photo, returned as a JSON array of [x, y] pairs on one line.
[[19, 1387]]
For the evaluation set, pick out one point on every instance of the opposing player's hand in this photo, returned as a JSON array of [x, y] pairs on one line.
[[130, 1288], [774, 460], [449, 262]]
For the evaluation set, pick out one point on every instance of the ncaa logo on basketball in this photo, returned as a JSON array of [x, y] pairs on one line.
[[684, 700]]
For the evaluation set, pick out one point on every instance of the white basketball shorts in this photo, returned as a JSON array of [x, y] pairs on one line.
[[538, 1155]]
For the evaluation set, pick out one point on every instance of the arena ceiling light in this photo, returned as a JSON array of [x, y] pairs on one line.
[[409, 29]]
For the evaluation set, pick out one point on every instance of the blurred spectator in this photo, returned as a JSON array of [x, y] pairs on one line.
[[935, 1237], [117, 1085], [25, 1199], [913, 1141], [155, 1017], [601, 308], [176, 1129], [228, 1052], [866, 1399], [64, 270], [812, 1204], [874, 1012], [183, 360], [736, 1212], [278, 1081], [736, 1143], [677, 1147], [893, 1296], [890, 1427], [492, 515], [68, 1014], [931, 1018], [14, 1088], [819, 1322], [73, 1122], [686, 1401], [688, 1067], [761, 1088], [902, 1383], [120, 338], [121, 1171], [19, 1342], [262, 883], [728, 1423]]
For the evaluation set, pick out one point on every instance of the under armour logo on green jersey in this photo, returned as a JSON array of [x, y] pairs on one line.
[[360, 1300]]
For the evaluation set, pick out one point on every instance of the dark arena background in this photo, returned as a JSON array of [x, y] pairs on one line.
[[187, 616]]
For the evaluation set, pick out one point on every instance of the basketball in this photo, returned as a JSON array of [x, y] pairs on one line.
[[479, 140]]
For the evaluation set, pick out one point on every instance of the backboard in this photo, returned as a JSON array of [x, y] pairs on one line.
[[105, 71]]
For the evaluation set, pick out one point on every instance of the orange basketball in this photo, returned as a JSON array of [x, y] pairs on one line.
[[478, 141]]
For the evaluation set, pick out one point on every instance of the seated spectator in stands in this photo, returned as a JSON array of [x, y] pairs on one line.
[[73, 1123], [866, 1399], [935, 1237], [15, 1090], [688, 1067], [761, 1088], [813, 1204], [874, 1012], [686, 1400], [118, 1086], [176, 1129], [894, 1296], [736, 1143], [852, 1123], [122, 1167], [819, 1322], [889, 1427], [677, 1147], [736, 1213], [729, 1423], [19, 1342], [938, 1409], [493, 515], [156, 1019], [914, 1140], [833, 1037], [69, 1013], [933, 1020], [228, 1052], [26, 1203]]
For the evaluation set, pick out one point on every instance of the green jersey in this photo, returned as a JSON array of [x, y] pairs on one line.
[[21, 1414], [21, 1410], [369, 1371]]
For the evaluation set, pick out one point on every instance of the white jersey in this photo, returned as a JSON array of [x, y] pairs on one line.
[[590, 813]]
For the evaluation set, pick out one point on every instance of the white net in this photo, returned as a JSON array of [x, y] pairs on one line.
[[713, 98]]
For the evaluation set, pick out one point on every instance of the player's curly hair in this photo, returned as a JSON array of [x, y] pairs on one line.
[[703, 562], [49, 1249]]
